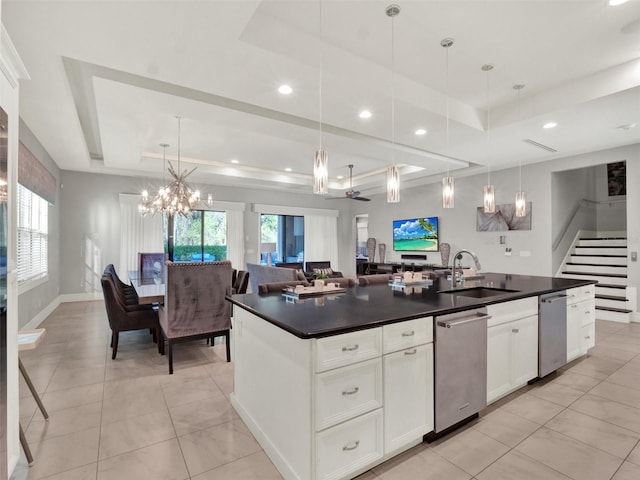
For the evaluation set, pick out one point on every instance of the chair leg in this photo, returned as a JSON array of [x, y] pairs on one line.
[[170, 356], [114, 345], [227, 338], [160, 341], [111, 339], [25, 446], [154, 335]]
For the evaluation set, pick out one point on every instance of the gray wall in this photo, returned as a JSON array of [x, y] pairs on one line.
[[91, 235], [31, 302], [552, 202]]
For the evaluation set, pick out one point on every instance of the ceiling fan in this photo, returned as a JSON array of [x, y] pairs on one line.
[[350, 193]]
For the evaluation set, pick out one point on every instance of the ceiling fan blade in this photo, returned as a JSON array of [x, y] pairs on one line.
[[335, 198], [362, 199]]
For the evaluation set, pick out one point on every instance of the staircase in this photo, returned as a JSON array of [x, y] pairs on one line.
[[604, 259]]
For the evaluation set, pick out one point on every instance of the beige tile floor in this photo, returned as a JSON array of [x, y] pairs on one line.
[[128, 419]]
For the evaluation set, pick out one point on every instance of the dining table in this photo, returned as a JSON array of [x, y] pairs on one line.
[[150, 289]]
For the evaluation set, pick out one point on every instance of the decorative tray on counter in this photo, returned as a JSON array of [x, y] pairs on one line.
[[312, 292]]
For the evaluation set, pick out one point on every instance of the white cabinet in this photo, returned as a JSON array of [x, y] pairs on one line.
[[512, 346], [408, 396], [580, 321]]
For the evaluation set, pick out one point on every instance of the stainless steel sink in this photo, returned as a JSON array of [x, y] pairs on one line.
[[477, 292]]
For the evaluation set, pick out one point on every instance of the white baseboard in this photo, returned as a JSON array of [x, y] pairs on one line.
[[42, 315], [634, 317], [68, 298]]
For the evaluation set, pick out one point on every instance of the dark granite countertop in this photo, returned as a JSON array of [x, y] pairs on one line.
[[372, 306]]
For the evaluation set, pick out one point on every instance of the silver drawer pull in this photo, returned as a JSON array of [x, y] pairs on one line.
[[350, 349], [556, 298], [351, 392], [587, 337], [352, 446], [411, 352], [408, 334], [515, 330]]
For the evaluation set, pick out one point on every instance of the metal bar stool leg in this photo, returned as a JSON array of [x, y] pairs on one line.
[[33, 390], [25, 446]]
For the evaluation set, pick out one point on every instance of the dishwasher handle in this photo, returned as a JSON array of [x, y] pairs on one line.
[[554, 299], [462, 321]]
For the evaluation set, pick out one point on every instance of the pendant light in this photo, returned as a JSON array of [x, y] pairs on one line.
[[489, 191], [393, 173], [521, 201], [156, 204], [321, 159], [447, 182]]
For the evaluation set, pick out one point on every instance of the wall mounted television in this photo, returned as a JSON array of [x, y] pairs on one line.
[[416, 235]]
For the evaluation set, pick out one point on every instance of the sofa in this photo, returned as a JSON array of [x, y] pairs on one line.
[[259, 274]]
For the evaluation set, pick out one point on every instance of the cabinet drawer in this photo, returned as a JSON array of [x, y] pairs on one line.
[[587, 292], [401, 335], [508, 311], [588, 311], [348, 348], [574, 295], [346, 392], [588, 336], [349, 446]]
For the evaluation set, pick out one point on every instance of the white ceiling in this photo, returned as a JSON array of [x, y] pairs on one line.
[[108, 79]]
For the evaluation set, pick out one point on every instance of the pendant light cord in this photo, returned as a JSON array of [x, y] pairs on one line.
[[320, 76], [446, 87], [393, 94], [488, 131]]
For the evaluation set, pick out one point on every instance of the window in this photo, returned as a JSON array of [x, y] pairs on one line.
[[200, 236], [281, 236], [33, 235]]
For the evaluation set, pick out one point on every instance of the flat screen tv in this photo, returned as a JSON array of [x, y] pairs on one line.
[[416, 235]]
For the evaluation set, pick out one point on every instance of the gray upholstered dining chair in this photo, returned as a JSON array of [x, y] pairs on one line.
[[194, 303]]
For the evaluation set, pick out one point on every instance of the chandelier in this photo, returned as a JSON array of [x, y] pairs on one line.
[[177, 197]]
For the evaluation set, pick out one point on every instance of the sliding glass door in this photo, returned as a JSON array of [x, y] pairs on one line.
[[199, 236]]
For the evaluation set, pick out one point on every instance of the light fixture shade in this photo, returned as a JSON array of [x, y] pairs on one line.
[[393, 184], [521, 204], [489, 199], [447, 192], [321, 172]]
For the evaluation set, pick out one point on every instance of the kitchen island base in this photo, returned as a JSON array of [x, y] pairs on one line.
[[316, 405]]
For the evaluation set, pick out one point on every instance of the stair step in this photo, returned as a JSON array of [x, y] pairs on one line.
[[610, 285], [603, 238], [599, 255], [611, 309], [597, 264], [600, 246], [612, 297], [612, 275]]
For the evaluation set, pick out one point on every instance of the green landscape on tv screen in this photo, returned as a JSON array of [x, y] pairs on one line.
[[415, 235]]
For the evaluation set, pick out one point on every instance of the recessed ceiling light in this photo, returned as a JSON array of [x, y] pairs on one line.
[[421, 131], [285, 89], [340, 177], [288, 169], [615, 3], [550, 125], [234, 161], [365, 114]]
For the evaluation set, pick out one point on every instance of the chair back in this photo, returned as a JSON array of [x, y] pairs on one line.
[[279, 286], [381, 278], [194, 301], [241, 282]]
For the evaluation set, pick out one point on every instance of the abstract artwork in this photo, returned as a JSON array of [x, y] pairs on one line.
[[617, 178], [503, 219]]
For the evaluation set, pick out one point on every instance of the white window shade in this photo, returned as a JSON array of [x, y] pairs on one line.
[[33, 235]]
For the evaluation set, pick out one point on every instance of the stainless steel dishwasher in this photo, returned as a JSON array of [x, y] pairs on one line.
[[552, 331], [460, 367]]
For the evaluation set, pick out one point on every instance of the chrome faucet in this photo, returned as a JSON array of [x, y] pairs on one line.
[[458, 256]]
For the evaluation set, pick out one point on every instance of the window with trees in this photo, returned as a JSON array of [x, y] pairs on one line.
[[281, 238], [199, 236]]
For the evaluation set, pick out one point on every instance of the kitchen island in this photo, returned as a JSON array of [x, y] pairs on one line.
[[333, 385]]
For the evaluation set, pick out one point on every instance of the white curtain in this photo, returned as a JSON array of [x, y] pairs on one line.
[[137, 233], [235, 238], [321, 239]]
